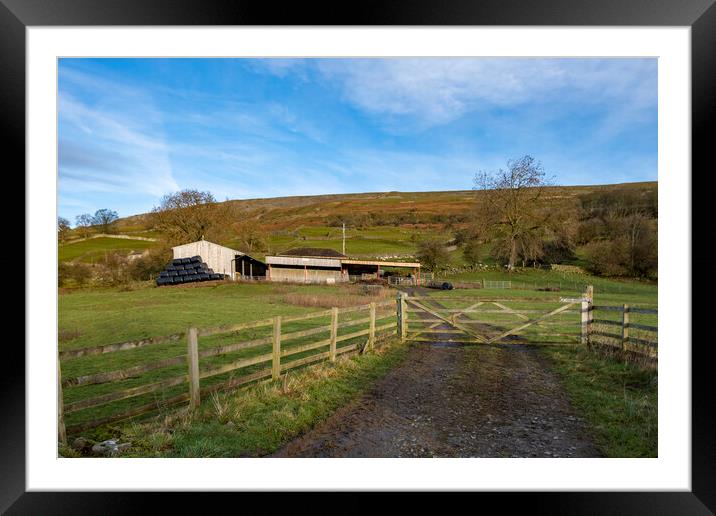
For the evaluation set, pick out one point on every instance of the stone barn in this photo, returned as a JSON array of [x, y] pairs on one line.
[[223, 260]]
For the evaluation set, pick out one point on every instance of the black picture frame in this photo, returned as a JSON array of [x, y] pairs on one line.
[[700, 15]]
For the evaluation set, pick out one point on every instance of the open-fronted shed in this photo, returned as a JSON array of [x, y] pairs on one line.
[[317, 265], [308, 265]]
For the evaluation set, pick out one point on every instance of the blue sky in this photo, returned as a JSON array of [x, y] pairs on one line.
[[132, 130]]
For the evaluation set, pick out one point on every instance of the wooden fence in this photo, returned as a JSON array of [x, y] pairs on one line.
[[629, 335], [277, 351]]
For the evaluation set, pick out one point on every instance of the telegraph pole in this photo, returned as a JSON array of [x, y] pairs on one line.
[[344, 238]]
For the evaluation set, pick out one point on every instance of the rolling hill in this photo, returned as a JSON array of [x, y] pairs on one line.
[[378, 224]]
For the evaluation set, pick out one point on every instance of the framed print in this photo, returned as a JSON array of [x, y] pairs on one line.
[[293, 246]]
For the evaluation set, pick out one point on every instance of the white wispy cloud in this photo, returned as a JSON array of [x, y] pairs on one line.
[[435, 91], [112, 148]]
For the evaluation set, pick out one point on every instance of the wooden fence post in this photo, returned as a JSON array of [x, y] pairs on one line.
[[590, 311], [399, 314], [371, 331], [276, 362], [403, 316], [625, 326], [193, 363], [334, 334], [61, 431]]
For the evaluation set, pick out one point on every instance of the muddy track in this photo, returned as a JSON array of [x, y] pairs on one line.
[[448, 400]]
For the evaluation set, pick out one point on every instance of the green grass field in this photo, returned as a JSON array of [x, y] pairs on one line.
[[95, 249], [360, 242]]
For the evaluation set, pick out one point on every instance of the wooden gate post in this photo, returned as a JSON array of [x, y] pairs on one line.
[[61, 431], [276, 359], [625, 326], [193, 363], [334, 334], [399, 314], [586, 314]]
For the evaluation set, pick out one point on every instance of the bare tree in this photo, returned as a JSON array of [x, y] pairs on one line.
[[84, 224], [105, 219], [190, 215], [508, 204], [63, 228]]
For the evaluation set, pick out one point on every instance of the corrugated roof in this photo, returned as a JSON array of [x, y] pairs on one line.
[[317, 252]]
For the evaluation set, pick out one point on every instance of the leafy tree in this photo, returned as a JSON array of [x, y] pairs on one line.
[[105, 219], [619, 228], [472, 251], [251, 237], [432, 254], [509, 204]]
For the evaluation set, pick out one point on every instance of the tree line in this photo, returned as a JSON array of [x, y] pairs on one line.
[[102, 221], [614, 231]]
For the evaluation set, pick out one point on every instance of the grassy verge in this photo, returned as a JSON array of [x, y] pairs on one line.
[[616, 397], [260, 419]]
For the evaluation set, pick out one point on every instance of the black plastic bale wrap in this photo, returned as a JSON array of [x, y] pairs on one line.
[[185, 260], [177, 261], [195, 259]]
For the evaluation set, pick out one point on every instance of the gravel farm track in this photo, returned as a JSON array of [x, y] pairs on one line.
[[455, 400]]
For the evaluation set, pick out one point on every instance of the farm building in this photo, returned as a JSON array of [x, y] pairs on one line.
[[223, 260], [316, 265]]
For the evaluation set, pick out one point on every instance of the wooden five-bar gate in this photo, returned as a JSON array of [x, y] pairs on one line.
[[450, 318]]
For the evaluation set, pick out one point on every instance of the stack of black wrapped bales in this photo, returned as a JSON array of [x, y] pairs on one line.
[[187, 270]]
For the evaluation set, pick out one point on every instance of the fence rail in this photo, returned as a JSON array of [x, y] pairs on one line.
[[282, 346], [625, 339]]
